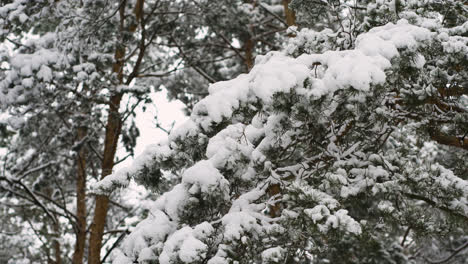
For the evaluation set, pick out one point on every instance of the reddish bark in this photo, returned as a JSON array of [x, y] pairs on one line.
[[289, 14], [249, 56], [113, 128]]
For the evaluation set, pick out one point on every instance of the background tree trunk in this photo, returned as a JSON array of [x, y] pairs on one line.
[[80, 201], [113, 129], [249, 56], [56, 243], [289, 14]]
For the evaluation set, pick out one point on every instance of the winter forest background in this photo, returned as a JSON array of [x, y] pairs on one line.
[[317, 131]]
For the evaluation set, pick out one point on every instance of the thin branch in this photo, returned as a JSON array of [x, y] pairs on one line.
[[31, 194], [269, 33], [141, 53], [37, 201], [115, 231], [405, 236], [230, 45], [200, 71], [167, 131], [454, 141], [19, 44], [95, 151], [176, 68], [116, 243], [434, 204], [119, 205], [458, 250], [129, 112], [274, 15], [57, 204], [356, 6], [38, 168], [122, 159]]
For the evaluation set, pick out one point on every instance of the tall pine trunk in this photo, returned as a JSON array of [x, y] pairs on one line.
[[113, 129], [289, 14], [249, 46], [80, 200], [56, 243], [55, 236]]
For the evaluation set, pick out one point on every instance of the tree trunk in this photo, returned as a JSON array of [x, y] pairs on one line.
[[56, 243], [249, 44], [274, 210], [55, 236], [80, 201], [113, 128], [248, 51], [289, 14]]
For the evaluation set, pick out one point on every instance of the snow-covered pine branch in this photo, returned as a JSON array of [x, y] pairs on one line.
[[314, 157]]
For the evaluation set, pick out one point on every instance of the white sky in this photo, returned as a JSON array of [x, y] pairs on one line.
[[166, 112]]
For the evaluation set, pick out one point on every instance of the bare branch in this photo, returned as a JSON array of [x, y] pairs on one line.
[[116, 243], [36, 169], [455, 252], [274, 15], [200, 71], [122, 159], [434, 204], [454, 141], [31, 194]]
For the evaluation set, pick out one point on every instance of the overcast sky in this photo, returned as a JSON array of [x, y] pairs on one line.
[[166, 112]]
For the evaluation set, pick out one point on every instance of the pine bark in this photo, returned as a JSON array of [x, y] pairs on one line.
[[448, 140], [249, 45], [113, 129], [80, 201], [56, 243], [249, 56], [289, 14]]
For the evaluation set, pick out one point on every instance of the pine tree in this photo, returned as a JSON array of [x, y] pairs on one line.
[[347, 147], [73, 73]]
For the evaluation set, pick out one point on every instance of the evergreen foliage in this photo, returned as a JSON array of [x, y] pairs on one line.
[[71, 77], [347, 147]]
